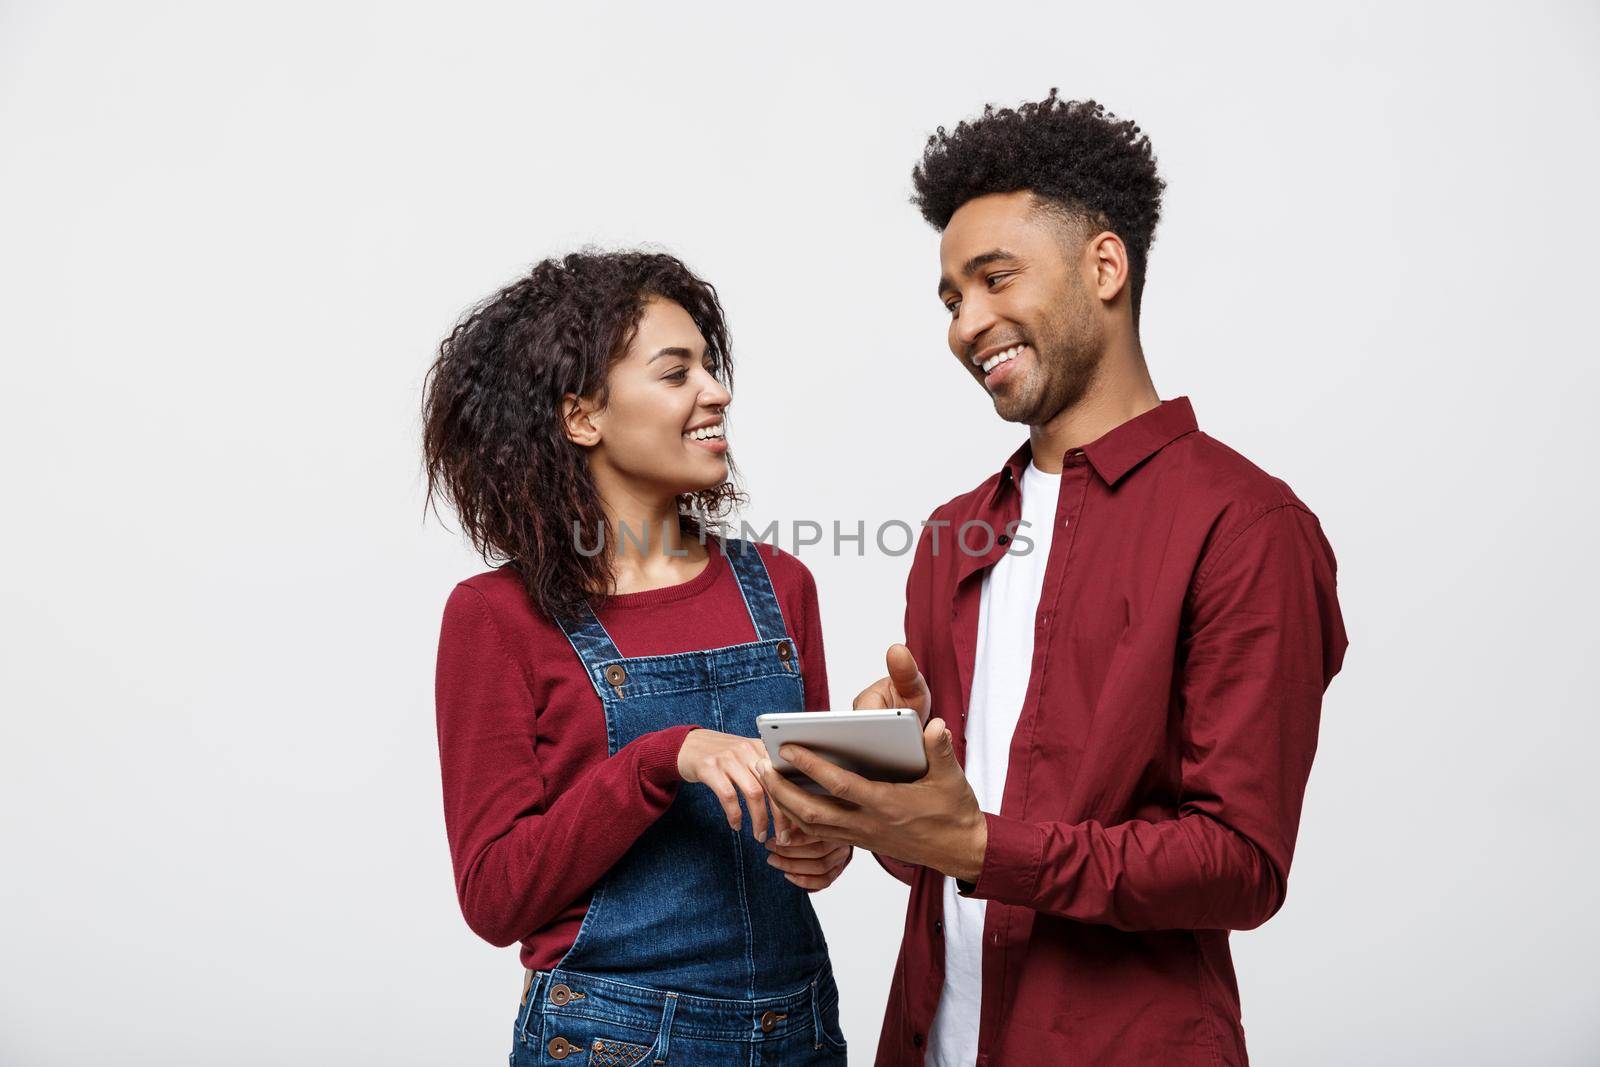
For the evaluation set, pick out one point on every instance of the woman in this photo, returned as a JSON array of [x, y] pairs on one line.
[[597, 693]]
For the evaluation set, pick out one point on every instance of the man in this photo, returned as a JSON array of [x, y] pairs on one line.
[[1133, 694]]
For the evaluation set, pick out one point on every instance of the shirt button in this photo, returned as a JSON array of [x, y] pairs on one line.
[[938, 926], [1004, 539], [916, 1039]]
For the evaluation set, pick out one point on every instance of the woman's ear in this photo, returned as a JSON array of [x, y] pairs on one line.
[[577, 415]]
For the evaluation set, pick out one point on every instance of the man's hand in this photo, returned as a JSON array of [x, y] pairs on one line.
[[903, 688], [933, 822], [725, 763], [809, 862]]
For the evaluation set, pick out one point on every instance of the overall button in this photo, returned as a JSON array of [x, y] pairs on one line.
[[785, 653], [770, 1021], [561, 1048], [562, 994], [615, 674]]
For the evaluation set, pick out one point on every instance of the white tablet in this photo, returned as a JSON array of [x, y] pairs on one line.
[[885, 746]]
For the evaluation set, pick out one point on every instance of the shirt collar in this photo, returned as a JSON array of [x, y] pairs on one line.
[[1119, 450]]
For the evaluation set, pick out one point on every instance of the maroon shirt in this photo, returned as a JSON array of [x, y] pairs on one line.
[[534, 808], [1186, 632]]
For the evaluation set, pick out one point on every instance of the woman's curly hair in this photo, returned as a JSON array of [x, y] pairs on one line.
[[1074, 154], [494, 440]]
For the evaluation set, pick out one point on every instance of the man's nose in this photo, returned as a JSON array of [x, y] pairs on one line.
[[971, 323]]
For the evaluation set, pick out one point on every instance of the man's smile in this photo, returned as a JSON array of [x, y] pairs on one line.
[[997, 362]]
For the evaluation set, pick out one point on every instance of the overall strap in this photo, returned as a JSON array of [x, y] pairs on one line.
[[756, 586], [592, 644]]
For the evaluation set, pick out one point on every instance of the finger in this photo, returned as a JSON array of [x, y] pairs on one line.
[[874, 697], [835, 779], [833, 855], [939, 745], [792, 865], [813, 882], [805, 882], [907, 679], [805, 848], [779, 828], [726, 795], [784, 796], [755, 799], [806, 811]]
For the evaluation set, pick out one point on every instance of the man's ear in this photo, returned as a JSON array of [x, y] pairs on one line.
[[578, 418], [1108, 265]]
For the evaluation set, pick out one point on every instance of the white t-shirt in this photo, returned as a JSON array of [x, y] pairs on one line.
[[1006, 616]]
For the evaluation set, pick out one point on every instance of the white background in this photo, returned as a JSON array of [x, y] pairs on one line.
[[232, 237]]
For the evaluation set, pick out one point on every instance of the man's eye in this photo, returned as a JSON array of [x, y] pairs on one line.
[[1000, 276], [953, 307]]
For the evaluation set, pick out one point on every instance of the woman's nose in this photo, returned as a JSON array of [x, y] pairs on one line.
[[715, 394]]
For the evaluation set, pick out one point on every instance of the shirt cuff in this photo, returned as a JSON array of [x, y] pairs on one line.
[[658, 756], [1011, 860]]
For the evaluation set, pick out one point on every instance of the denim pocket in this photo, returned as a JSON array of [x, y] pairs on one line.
[[604, 1052], [829, 1030]]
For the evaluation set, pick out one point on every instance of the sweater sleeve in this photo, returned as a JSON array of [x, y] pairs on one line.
[[808, 635], [520, 857]]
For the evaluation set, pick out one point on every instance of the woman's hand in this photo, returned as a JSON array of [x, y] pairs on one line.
[[725, 763], [809, 862]]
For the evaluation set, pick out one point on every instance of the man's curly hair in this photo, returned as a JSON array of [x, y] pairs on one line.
[[494, 440], [1073, 154]]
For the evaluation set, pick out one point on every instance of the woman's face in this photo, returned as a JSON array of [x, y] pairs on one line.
[[661, 428]]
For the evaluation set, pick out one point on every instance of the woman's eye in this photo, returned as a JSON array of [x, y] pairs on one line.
[[680, 376]]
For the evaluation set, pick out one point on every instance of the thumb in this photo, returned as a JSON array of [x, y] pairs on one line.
[[939, 744], [904, 674]]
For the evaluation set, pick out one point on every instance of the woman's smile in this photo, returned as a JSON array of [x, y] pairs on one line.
[[709, 436]]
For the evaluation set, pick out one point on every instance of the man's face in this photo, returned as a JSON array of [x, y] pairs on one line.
[[1022, 317]]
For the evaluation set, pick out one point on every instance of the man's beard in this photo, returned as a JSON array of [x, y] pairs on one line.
[[1069, 351]]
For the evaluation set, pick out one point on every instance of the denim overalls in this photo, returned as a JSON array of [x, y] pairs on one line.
[[694, 950]]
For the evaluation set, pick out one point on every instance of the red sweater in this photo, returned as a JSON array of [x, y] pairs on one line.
[[535, 810]]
